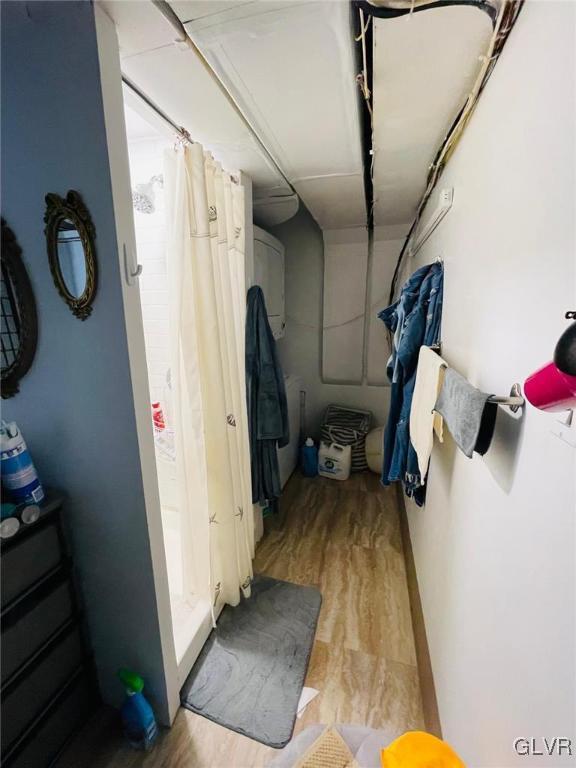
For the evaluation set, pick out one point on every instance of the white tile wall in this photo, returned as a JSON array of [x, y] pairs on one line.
[[146, 161]]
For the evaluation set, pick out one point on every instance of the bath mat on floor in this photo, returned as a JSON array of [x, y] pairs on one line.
[[250, 673]]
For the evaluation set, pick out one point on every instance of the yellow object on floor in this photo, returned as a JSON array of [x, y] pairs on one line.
[[416, 749], [328, 751]]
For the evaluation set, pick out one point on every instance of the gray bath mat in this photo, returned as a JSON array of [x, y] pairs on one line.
[[250, 673]]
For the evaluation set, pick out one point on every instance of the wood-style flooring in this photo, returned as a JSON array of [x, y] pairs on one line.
[[343, 537]]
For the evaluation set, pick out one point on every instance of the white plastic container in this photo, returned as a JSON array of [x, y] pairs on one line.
[[334, 461]]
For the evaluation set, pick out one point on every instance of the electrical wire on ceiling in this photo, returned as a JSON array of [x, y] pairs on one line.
[[391, 9], [362, 23], [362, 80], [503, 14]]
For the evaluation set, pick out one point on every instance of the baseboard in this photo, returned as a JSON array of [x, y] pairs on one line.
[[429, 701]]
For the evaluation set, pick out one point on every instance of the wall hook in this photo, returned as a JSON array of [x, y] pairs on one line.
[[132, 270]]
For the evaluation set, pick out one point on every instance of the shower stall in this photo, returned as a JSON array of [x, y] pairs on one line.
[[146, 147]]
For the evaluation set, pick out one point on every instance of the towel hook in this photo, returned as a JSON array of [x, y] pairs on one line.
[[514, 401], [131, 271]]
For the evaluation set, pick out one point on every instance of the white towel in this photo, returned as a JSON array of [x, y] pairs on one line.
[[423, 420]]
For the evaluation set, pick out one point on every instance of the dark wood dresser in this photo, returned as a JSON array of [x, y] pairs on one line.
[[48, 681]]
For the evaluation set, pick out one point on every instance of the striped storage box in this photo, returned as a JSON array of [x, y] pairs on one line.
[[348, 426]]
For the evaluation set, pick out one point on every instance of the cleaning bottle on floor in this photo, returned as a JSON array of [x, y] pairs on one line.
[[309, 458], [137, 715]]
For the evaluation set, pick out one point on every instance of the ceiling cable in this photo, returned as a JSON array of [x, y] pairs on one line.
[[390, 9], [363, 77], [362, 80]]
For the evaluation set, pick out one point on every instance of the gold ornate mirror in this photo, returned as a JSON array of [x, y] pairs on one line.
[[70, 237]]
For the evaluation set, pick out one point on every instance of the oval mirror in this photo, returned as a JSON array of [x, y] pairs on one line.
[[70, 241], [71, 258]]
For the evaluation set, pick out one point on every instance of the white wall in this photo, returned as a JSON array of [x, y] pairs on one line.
[[301, 349], [386, 245], [494, 546], [345, 274]]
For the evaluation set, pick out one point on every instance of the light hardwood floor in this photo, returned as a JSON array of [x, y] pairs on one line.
[[345, 539]]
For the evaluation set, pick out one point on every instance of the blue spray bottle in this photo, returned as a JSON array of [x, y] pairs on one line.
[[139, 722], [309, 458]]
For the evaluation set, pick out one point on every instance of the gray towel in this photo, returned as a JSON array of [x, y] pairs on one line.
[[467, 413]]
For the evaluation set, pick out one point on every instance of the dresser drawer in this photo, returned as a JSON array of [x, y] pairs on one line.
[[47, 738], [30, 695], [26, 628], [34, 557]]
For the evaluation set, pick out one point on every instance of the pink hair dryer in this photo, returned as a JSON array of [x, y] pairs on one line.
[[553, 387], [550, 389]]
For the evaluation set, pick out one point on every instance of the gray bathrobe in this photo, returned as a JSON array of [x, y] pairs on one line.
[[266, 397]]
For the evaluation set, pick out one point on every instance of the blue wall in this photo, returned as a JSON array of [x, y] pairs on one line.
[[75, 404]]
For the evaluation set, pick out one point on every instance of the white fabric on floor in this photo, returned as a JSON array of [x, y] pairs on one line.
[[205, 263], [307, 695], [423, 420]]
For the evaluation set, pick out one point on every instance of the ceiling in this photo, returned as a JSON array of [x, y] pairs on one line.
[[175, 80], [424, 66], [290, 67]]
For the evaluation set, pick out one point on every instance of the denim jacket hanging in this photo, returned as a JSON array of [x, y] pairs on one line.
[[414, 320]]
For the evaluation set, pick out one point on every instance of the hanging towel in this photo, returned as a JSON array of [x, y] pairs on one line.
[[424, 421], [266, 396], [467, 413]]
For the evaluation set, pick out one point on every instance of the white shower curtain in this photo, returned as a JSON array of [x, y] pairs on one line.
[[205, 263]]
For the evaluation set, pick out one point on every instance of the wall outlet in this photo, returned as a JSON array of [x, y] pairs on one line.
[[446, 197]]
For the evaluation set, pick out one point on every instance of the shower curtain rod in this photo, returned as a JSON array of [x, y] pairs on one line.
[[184, 38], [182, 132]]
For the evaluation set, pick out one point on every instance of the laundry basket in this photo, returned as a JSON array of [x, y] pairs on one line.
[[348, 426]]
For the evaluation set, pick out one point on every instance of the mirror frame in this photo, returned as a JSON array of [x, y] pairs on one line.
[[72, 208], [13, 265]]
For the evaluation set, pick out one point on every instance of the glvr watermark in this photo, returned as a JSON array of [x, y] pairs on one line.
[[543, 745]]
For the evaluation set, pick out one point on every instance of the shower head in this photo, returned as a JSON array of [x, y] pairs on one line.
[[143, 196], [142, 201]]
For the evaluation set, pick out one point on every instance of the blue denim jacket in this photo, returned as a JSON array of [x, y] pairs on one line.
[[414, 320]]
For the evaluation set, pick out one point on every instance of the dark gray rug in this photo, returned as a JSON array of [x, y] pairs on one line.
[[250, 673]]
